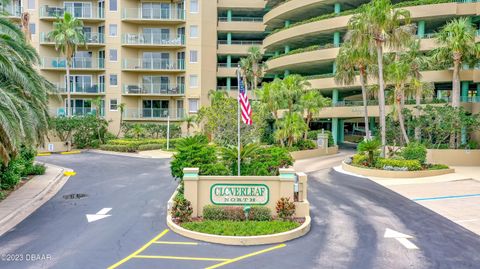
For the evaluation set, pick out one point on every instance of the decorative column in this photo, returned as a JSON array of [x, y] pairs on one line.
[[229, 38], [287, 23], [478, 93], [229, 61], [229, 15], [337, 7], [277, 53], [372, 124], [464, 95], [229, 83], [190, 180], [421, 29], [286, 73], [341, 130], [335, 130], [287, 49], [287, 181], [336, 39]]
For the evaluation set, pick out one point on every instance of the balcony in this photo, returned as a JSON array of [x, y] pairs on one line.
[[56, 63], [149, 65], [82, 89], [226, 70], [144, 40], [153, 114], [91, 39], [236, 47], [85, 13], [153, 15], [12, 11], [241, 24], [154, 89], [76, 111]]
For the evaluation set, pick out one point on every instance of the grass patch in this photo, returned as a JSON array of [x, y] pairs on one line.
[[240, 228]]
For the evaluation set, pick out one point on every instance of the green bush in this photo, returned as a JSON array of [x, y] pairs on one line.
[[369, 147], [19, 166], [150, 130], [285, 208], [260, 213], [360, 159], [37, 169], [415, 151], [313, 135], [411, 165], [305, 144], [236, 213], [237, 228], [118, 148], [150, 147], [267, 161], [213, 212], [182, 210], [437, 166]]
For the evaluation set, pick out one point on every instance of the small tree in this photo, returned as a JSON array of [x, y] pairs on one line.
[[369, 147], [312, 102]]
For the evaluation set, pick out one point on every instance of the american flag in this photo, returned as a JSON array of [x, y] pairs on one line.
[[246, 109]]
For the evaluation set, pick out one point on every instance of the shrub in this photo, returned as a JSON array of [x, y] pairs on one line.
[[213, 212], [260, 213], [410, 165], [360, 159], [19, 166], [182, 210], [150, 147], [267, 162], [370, 147], [37, 169], [285, 208], [119, 148], [305, 144], [438, 166], [234, 213], [236, 228], [415, 151]]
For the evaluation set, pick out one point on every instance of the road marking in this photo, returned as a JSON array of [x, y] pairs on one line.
[[175, 243], [44, 154], [246, 256], [402, 238], [180, 258], [69, 173], [100, 215], [124, 260], [447, 197], [70, 152]]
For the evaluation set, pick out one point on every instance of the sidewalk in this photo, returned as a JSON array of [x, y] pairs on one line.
[[154, 154], [28, 198]]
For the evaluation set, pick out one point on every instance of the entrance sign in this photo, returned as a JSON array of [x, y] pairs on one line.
[[239, 194]]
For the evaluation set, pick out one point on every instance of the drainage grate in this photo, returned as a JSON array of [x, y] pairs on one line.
[[74, 196]]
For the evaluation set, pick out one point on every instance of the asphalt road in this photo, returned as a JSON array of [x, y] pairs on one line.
[[349, 215]]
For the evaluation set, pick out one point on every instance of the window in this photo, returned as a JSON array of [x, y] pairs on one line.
[[113, 80], [113, 30], [193, 105], [193, 56], [193, 31], [113, 5], [113, 104], [193, 81], [193, 6], [31, 4], [113, 55], [31, 28]]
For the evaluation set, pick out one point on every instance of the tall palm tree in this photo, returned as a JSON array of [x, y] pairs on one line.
[[270, 97], [292, 88], [190, 121], [67, 34], [351, 59], [23, 93], [246, 71], [121, 108], [312, 102], [379, 25], [419, 89], [290, 128], [255, 57]]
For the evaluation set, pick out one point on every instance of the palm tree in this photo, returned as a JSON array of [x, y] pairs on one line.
[[68, 35], [292, 88], [379, 25], [419, 89], [290, 128], [255, 57], [351, 59], [270, 97], [23, 93], [312, 102], [121, 108], [246, 71], [190, 120]]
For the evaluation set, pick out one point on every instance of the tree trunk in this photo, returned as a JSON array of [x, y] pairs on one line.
[[69, 113], [309, 117], [365, 106], [455, 94], [381, 97], [398, 101], [418, 96]]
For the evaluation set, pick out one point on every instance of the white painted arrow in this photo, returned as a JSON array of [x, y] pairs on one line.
[[402, 238], [100, 215]]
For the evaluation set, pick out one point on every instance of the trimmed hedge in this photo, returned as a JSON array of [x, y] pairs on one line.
[[133, 145], [410, 165], [236, 213], [151, 147], [118, 148], [237, 228]]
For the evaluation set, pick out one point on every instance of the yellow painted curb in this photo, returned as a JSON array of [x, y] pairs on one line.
[[44, 154], [69, 173], [71, 152]]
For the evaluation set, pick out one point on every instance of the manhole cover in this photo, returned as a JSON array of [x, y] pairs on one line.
[[74, 196]]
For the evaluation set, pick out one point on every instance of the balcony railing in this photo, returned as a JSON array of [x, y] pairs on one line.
[[152, 39], [154, 113], [160, 89], [12, 11], [91, 88], [240, 19], [172, 14], [375, 102], [240, 42], [90, 38], [153, 64], [85, 12], [225, 88], [77, 111], [77, 63]]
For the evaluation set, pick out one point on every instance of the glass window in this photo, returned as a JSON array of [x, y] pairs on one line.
[[113, 104], [193, 105], [113, 30], [193, 81], [113, 55], [113, 5], [113, 80], [193, 31], [193, 56], [31, 28], [193, 6]]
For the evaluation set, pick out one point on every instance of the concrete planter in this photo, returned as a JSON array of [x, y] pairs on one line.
[[394, 174], [312, 153], [454, 157]]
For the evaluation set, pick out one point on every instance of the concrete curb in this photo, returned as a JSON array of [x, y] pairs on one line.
[[394, 174], [123, 154], [26, 208], [238, 240]]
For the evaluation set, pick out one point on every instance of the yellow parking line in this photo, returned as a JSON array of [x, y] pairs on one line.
[[175, 243], [69, 173], [246, 256], [44, 154], [71, 152], [138, 250], [180, 258]]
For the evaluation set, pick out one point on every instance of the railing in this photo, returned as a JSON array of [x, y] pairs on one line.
[[77, 63], [463, 99], [375, 102], [160, 89], [151, 39], [153, 14], [225, 88], [153, 113], [240, 19], [240, 42], [12, 11], [77, 111], [90, 38], [86, 12], [82, 88], [429, 35], [153, 64]]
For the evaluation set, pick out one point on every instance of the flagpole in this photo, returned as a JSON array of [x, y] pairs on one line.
[[238, 119]]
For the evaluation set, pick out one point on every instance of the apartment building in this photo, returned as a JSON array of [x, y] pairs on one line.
[[305, 36]]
